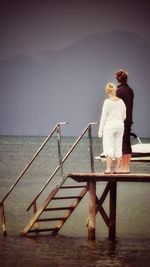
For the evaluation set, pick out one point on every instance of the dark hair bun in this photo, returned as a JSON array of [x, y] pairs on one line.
[[121, 75]]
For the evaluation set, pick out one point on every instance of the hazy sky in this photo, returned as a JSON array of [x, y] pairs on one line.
[[31, 28]]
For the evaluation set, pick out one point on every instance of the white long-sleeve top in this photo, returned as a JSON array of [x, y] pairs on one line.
[[112, 116]]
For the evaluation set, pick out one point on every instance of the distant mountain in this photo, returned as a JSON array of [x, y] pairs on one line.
[[38, 90]]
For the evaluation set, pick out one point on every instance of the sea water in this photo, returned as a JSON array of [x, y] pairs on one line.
[[70, 247]]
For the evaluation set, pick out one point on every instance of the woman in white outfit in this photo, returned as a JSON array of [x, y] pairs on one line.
[[111, 127]]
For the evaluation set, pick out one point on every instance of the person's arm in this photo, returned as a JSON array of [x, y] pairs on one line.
[[103, 118], [123, 111]]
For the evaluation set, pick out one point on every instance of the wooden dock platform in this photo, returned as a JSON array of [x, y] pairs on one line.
[[95, 203]]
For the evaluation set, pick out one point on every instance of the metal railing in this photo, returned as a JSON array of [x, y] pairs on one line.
[[61, 162], [59, 167], [55, 129]]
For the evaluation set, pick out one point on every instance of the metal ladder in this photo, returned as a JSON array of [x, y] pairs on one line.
[[34, 225]]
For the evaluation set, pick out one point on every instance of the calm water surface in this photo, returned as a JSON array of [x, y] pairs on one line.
[[70, 247]]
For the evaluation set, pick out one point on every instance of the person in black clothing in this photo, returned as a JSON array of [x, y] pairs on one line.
[[127, 95]]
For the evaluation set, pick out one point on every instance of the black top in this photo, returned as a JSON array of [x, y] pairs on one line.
[[126, 94]]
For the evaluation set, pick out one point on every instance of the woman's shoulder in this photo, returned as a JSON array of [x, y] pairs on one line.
[[122, 103], [106, 101]]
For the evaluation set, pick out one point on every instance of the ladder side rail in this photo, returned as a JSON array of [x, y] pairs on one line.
[[58, 167]]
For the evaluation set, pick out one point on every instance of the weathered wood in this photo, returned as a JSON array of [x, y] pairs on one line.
[[42, 207], [3, 220], [68, 197], [99, 203], [71, 209], [43, 230], [58, 208], [102, 212], [92, 211], [112, 209], [73, 187], [101, 176], [34, 212], [51, 219], [104, 194], [95, 204]]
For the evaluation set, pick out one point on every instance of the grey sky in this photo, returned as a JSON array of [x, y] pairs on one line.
[[32, 26], [40, 93]]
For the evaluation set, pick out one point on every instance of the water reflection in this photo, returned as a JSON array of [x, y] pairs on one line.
[[55, 251]]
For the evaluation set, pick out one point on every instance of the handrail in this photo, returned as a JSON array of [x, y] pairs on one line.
[[29, 164], [91, 149], [64, 159]]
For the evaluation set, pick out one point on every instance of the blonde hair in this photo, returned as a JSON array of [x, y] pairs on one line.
[[110, 89]]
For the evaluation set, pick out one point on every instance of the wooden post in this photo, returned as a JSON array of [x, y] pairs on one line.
[[92, 211], [112, 215], [3, 220]]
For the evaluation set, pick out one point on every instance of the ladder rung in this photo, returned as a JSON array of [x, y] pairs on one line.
[[58, 208], [69, 197], [71, 187], [50, 219], [43, 230]]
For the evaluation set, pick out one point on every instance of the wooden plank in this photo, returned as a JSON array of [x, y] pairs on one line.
[[72, 187], [69, 197], [42, 230], [103, 214], [58, 208], [132, 177], [3, 219], [104, 194], [99, 203], [50, 219]]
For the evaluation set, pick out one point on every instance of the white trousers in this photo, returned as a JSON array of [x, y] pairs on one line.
[[112, 142]]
